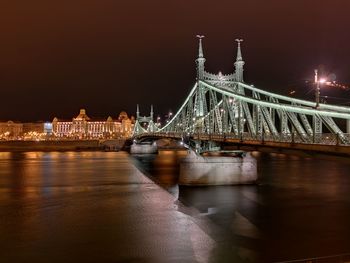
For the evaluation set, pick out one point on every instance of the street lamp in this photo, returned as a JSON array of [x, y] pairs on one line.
[[318, 83]]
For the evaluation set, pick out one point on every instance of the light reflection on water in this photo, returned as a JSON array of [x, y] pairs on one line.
[[96, 206], [85, 207]]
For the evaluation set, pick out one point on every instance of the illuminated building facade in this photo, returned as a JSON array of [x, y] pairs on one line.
[[37, 130], [25, 131], [10, 130], [84, 127], [80, 127]]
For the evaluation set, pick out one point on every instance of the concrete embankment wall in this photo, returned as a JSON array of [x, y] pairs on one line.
[[82, 145]]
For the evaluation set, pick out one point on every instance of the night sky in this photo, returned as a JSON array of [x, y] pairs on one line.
[[108, 55]]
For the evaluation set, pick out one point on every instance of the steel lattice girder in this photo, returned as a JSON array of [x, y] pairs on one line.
[[221, 115], [286, 107]]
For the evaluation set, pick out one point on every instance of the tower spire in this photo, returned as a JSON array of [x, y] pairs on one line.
[[200, 60], [200, 48], [151, 111], [239, 52], [239, 62], [137, 112]]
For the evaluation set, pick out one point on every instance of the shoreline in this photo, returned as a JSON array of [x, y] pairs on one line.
[[75, 145], [46, 146]]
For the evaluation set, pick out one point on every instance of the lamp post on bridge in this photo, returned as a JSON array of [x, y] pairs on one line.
[[318, 83]]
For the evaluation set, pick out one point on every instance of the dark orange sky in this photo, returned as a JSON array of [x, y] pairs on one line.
[[108, 55]]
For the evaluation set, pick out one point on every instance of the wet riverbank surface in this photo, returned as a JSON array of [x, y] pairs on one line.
[[111, 207]]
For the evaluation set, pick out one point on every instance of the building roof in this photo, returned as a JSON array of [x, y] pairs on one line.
[[82, 115], [10, 122]]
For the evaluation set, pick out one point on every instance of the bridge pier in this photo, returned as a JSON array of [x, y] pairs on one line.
[[144, 148], [218, 170], [347, 126]]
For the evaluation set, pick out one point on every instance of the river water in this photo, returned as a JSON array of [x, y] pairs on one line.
[[112, 207]]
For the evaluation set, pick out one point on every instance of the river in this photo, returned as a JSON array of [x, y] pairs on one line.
[[112, 207]]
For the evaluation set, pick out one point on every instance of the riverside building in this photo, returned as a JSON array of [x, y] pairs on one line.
[[10, 130], [81, 127], [84, 127]]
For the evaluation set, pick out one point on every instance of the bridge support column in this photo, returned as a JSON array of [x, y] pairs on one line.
[[218, 170], [347, 126], [144, 148]]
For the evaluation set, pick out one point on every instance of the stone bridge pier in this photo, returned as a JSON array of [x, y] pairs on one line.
[[218, 170], [149, 147]]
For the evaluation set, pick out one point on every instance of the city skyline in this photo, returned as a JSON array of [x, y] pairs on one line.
[[115, 114], [95, 56]]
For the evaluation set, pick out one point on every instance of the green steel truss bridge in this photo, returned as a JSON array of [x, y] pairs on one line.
[[222, 109]]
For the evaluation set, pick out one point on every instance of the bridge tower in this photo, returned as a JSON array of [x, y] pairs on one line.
[[239, 62], [139, 128], [141, 120], [200, 102], [200, 59]]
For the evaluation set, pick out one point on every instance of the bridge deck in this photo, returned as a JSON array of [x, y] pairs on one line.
[[331, 146]]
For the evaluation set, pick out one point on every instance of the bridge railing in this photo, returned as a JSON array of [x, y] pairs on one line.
[[321, 139], [328, 139], [324, 139]]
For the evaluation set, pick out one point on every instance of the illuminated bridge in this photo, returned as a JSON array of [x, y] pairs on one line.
[[221, 111]]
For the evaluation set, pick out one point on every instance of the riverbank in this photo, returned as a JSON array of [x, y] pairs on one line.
[[77, 145]]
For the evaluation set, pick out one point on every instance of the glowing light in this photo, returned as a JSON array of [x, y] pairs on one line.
[[322, 81]]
